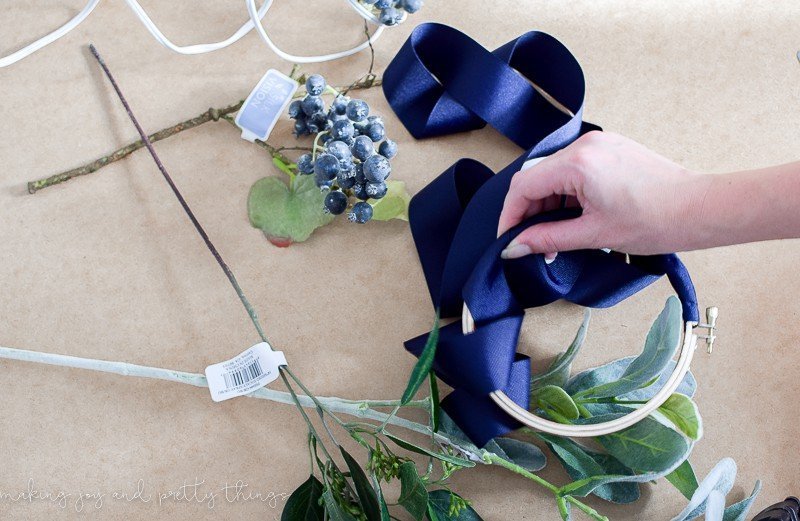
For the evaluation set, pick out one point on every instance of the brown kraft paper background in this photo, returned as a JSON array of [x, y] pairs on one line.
[[108, 267]]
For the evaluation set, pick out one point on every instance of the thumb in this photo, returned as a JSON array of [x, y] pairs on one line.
[[552, 237]]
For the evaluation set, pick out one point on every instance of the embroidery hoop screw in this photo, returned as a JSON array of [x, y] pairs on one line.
[[711, 325]]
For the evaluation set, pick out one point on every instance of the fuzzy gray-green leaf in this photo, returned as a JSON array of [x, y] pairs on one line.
[[661, 343], [558, 372], [526, 455], [738, 511], [682, 412], [647, 446], [613, 370], [589, 468], [720, 478]]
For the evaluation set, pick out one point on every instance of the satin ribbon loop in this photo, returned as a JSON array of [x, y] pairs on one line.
[[443, 82], [484, 357]]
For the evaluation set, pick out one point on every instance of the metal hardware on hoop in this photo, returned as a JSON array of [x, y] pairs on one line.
[[598, 429], [711, 318]]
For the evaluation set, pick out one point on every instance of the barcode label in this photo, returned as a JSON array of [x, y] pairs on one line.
[[243, 376], [245, 373]]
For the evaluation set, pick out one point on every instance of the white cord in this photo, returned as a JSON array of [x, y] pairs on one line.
[[29, 49], [200, 48], [254, 20], [251, 8]]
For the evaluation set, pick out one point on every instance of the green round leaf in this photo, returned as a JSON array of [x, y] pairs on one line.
[[287, 215], [555, 399]]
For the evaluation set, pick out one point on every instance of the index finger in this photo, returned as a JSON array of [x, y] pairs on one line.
[[530, 187]]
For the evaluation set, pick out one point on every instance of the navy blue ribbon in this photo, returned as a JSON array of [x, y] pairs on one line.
[[442, 82]]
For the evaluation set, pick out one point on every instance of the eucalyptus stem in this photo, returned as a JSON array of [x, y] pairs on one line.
[[356, 408], [363, 409], [311, 395], [311, 429]]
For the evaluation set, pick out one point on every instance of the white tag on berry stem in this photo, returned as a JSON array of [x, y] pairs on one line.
[[265, 104], [245, 373]]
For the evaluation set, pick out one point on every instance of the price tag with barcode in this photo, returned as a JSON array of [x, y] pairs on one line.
[[245, 373]]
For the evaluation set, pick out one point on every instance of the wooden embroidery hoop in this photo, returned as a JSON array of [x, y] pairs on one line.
[[525, 417]]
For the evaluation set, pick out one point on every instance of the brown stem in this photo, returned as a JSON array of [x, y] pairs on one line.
[[211, 114], [276, 152]]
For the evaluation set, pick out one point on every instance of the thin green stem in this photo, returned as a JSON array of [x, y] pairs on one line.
[[421, 404], [316, 144], [494, 459], [583, 507], [310, 455], [563, 508], [389, 417], [355, 408], [310, 425], [316, 401]]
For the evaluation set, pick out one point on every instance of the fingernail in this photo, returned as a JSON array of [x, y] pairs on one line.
[[515, 251], [549, 257]]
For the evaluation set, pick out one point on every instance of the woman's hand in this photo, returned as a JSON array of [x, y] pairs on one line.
[[633, 199]]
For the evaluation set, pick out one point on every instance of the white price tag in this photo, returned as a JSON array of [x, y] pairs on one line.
[[265, 105], [245, 373]]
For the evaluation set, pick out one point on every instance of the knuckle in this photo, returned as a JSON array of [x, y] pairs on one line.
[[516, 179], [582, 158], [548, 242], [591, 137]]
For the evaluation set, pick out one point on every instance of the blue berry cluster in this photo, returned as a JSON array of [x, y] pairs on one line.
[[345, 161], [391, 12]]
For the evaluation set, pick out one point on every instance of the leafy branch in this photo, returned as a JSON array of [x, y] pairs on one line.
[[451, 450], [650, 450]]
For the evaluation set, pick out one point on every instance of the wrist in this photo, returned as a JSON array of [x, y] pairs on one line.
[[696, 215]]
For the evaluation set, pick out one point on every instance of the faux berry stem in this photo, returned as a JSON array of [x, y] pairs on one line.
[[316, 144], [212, 114]]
